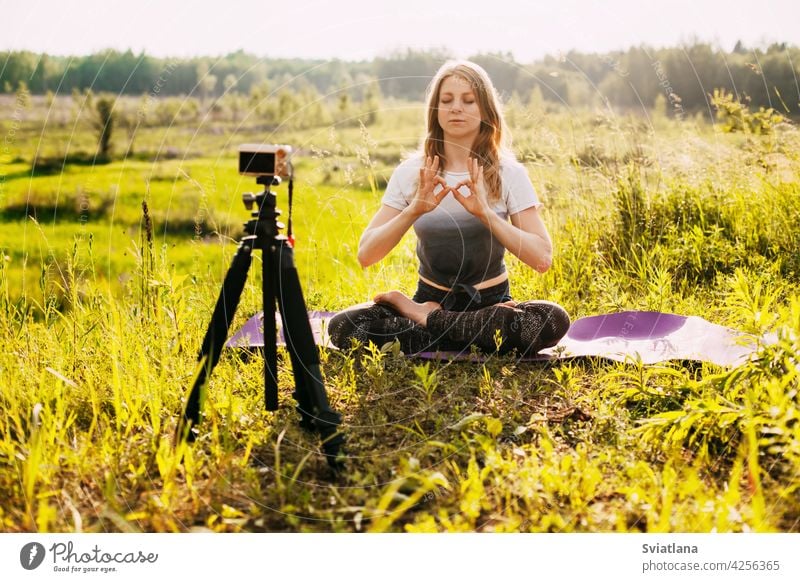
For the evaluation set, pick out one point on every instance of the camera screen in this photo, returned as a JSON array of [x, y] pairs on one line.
[[258, 163]]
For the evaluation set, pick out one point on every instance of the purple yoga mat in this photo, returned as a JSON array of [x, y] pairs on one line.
[[251, 335], [629, 335], [654, 337]]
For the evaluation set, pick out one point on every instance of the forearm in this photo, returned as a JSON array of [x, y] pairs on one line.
[[532, 249], [377, 242]]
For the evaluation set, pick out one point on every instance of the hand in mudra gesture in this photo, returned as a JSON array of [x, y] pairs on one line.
[[477, 200], [428, 196]]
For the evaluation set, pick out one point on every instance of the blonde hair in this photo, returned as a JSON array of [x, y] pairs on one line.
[[492, 140]]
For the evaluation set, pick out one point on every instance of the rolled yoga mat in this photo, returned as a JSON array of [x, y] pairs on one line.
[[649, 336]]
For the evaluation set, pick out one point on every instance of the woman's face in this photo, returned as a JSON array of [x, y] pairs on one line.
[[458, 110]]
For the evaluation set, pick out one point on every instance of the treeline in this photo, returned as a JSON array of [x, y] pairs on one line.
[[680, 79]]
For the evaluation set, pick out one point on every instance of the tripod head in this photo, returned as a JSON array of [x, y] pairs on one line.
[[249, 199], [264, 212]]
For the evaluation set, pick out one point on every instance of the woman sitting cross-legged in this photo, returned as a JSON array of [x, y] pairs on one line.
[[458, 194]]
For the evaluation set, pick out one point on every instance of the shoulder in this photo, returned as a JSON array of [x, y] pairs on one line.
[[406, 174], [409, 166], [512, 169], [514, 177], [518, 191], [402, 183]]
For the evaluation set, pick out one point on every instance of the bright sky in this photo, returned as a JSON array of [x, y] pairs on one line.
[[363, 29]]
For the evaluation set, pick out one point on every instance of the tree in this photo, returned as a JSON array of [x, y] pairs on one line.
[[536, 100], [207, 85], [502, 70], [103, 123], [287, 106], [235, 103], [406, 75], [23, 99], [229, 82], [205, 81], [372, 103], [344, 105], [258, 97], [315, 108]]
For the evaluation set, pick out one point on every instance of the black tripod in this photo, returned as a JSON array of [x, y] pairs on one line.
[[281, 283]]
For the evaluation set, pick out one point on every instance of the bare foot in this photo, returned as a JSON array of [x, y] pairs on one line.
[[416, 312]]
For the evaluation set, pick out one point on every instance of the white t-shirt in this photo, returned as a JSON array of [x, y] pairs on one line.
[[453, 246]]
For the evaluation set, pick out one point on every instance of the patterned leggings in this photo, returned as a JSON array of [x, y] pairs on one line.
[[464, 320]]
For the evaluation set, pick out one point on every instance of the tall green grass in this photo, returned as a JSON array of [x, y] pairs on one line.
[[103, 314]]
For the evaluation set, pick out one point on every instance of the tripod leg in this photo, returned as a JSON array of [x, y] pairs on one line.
[[309, 388], [268, 269], [214, 340]]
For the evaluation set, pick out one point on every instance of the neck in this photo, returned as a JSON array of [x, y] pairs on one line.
[[458, 151]]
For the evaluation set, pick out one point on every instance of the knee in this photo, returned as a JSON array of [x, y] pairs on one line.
[[554, 319], [340, 328], [559, 322], [353, 323]]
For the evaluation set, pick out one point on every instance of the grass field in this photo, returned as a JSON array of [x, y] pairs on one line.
[[102, 317]]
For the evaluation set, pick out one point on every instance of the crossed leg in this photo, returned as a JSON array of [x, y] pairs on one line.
[[528, 326]]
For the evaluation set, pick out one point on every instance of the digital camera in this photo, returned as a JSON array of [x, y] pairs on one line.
[[265, 160]]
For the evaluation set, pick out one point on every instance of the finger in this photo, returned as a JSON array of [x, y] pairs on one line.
[[439, 180], [460, 198], [435, 166], [468, 184]]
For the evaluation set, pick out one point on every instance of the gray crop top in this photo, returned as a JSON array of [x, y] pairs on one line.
[[455, 248]]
